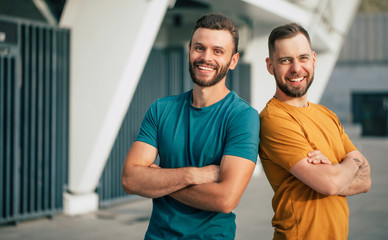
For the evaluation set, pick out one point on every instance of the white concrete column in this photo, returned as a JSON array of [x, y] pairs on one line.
[[341, 15], [110, 43], [262, 83]]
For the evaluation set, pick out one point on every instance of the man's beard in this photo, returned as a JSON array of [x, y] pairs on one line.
[[290, 91], [217, 77]]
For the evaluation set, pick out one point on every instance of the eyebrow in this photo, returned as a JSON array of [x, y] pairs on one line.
[[305, 55], [217, 47], [302, 55]]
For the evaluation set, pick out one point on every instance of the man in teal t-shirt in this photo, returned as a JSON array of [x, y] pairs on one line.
[[207, 141]]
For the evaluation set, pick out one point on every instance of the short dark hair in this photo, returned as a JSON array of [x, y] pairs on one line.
[[285, 31], [217, 21]]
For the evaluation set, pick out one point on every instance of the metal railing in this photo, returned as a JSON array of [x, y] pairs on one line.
[[34, 98]]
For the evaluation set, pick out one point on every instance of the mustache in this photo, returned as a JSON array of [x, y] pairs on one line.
[[295, 75], [203, 62]]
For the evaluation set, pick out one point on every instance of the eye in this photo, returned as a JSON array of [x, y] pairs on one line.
[[284, 61], [304, 58], [218, 52], [199, 48]]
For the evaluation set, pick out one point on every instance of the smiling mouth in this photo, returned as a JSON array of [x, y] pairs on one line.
[[207, 68], [296, 79], [204, 68]]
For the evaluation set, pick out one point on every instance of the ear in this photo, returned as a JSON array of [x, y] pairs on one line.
[[188, 53], [314, 59], [234, 61], [269, 65]]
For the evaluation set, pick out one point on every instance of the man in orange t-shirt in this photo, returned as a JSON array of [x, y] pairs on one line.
[[308, 159]]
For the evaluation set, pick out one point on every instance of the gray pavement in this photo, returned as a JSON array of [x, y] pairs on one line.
[[368, 212]]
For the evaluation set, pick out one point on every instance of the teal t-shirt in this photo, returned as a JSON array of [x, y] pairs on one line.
[[188, 136]]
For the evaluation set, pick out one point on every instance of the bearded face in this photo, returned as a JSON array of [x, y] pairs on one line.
[[294, 90], [211, 55], [219, 72], [293, 65]]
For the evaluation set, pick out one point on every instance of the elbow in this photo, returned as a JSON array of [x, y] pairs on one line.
[[227, 204], [368, 185], [226, 208], [127, 187]]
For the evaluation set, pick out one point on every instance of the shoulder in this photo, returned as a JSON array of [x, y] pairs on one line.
[[170, 101], [173, 98], [240, 108], [323, 109], [240, 104], [276, 111]]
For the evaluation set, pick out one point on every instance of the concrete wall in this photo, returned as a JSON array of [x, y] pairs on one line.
[[362, 64], [349, 78]]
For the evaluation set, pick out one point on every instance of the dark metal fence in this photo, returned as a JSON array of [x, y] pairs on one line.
[[166, 73], [34, 98]]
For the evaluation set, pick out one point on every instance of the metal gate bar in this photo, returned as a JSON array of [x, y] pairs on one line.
[[34, 83]]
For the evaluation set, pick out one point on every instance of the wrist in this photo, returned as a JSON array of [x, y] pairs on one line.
[[189, 174]]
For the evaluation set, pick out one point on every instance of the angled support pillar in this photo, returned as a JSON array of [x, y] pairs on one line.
[[110, 43]]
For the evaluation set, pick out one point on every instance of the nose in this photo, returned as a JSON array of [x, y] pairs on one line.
[[206, 55], [296, 66]]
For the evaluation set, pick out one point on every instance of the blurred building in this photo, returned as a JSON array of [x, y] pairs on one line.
[[358, 88], [89, 69]]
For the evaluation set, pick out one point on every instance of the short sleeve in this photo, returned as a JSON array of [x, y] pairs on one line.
[[242, 139], [149, 127], [348, 145], [282, 140]]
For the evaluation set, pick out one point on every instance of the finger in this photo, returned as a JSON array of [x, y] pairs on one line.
[[316, 161], [313, 161], [314, 153], [325, 161]]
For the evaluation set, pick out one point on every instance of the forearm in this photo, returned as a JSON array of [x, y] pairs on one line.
[[361, 182], [141, 176], [343, 180], [351, 176], [328, 179], [155, 182], [209, 197], [223, 195]]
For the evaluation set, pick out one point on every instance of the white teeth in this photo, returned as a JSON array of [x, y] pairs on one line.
[[205, 68], [296, 79]]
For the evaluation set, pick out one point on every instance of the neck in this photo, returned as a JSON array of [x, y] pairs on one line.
[[206, 96], [293, 101]]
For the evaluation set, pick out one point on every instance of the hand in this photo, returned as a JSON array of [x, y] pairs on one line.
[[316, 157], [207, 174]]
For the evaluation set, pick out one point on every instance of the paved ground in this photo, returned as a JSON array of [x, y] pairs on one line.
[[368, 212]]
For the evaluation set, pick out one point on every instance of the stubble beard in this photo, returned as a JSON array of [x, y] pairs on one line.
[[293, 92], [220, 74]]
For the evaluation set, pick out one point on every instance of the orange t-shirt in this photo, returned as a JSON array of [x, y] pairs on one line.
[[287, 134]]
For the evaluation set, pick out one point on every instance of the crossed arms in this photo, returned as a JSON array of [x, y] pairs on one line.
[[211, 188], [350, 177]]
